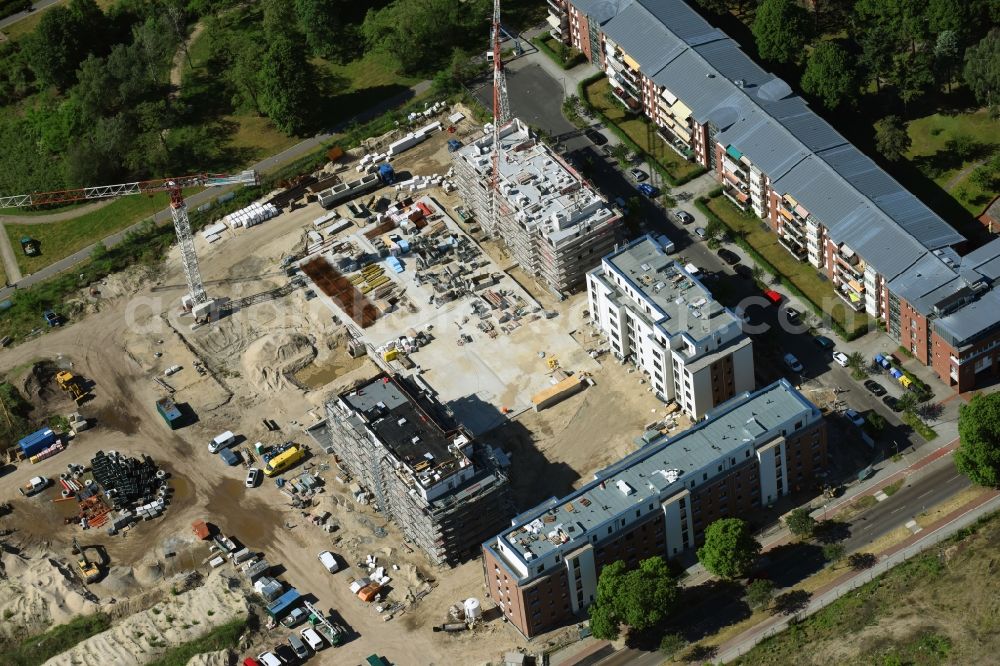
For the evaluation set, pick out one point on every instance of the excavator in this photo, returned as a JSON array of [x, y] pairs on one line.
[[72, 384], [89, 571]]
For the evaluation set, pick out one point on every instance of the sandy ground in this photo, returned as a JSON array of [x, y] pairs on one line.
[[271, 360]]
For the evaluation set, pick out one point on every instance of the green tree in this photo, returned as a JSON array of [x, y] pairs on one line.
[[856, 362], [671, 644], [420, 34], [978, 453], [780, 29], [946, 50], [759, 594], [758, 274], [914, 75], [730, 549], [640, 598], [800, 523], [907, 403], [287, 85], [891, 138], [64, 37], [833, 552], [621, 153], [831, 75], [876, 58], [982, 69], [327, 33]]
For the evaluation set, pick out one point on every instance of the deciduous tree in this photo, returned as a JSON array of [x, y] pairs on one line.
[[800, 523], [287, 85], [982, 69], [891, 138], [831, 75], [730, 549], [759, 594], [780, 29], [978, 454], [640, 598]]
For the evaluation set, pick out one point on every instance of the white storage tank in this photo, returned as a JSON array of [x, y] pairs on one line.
[[473, 609]]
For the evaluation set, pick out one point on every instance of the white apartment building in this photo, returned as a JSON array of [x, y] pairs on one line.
[[660, 317]]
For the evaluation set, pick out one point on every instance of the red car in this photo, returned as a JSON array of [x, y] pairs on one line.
[[773, 296]]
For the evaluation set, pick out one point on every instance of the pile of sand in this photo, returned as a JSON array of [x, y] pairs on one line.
[[35, 593], [269, 361], [142, 637]]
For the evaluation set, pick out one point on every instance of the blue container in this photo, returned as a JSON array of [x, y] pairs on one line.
[[386, 174], [37, 441]]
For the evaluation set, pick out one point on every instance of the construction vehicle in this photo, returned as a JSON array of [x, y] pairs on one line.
[[196, 300], [89, 571], [72, 384]]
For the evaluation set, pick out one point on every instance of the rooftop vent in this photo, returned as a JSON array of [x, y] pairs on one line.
[[624, 487]]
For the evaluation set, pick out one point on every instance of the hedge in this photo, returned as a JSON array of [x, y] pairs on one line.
[[576, 57], [702, 204]]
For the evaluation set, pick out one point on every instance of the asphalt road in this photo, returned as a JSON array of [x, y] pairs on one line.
[[14, 18], [914, 497]]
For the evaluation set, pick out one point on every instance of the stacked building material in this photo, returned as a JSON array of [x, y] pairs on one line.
[[128, 481]]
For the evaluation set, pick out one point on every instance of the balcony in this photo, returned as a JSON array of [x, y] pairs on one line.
[[853, 300], [794, 247], [625, 98], [740, 199], [789, 229], [676, 143], [556, 7]]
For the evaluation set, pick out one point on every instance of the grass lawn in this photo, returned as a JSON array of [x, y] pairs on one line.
[[39, 648], [638, 129], [803, 275], [929, 152], [933, 609], [61, 239]]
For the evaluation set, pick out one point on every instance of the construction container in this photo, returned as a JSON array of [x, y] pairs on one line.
[[169, 411], [37, 442], [368, 592], [200, 528]]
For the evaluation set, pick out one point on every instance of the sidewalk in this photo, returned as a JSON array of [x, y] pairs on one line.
[[986, 503]]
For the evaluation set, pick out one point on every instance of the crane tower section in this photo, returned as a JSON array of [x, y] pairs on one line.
[[501, 117]]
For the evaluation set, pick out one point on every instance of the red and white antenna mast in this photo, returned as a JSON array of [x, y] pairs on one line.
[[501, 117]]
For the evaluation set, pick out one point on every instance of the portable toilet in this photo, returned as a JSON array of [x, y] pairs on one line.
[[386, 174]]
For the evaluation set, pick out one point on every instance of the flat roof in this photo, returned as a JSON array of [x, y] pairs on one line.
[[408, 425], [657, 470], [545, 193], [685, 305]]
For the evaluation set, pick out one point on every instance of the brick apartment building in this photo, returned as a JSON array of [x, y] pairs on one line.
[[663, 319], [542, 571], [886, 253]]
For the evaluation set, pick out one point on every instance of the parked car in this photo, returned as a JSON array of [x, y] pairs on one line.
[[35, 484], [877, 389], [51, 318], [596, 137], [823, 342], [729, 256], [700, 232], [744, 272], [327, 559], [793, 363], [298, 647], [312, 639], [253, 478], [295, 617], [268, 659], [841, 359], [638, 175], [221, 441], [855, 417], [773, 296], [684, 216], [648, 190], [892, 402]]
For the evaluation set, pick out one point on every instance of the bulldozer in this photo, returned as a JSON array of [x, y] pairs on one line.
[[89, 571], [72, 384]]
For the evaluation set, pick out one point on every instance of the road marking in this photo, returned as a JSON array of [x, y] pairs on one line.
[[896, 510], [881, 496], [954, 477], [925, 493]]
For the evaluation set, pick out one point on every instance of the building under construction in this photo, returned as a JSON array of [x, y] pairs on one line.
[[554, 224], [415, 463]]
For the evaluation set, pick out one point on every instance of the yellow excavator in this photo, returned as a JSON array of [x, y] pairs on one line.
[[89, 571], [72, 384]]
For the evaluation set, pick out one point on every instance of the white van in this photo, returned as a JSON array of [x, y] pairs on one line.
[[221, 441], [327, 559], [312, 639]]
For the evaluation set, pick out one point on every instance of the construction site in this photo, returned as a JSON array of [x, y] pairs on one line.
[[310, 303]]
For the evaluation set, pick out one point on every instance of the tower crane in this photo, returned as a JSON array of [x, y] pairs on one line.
[[196, 298], [501, 117]]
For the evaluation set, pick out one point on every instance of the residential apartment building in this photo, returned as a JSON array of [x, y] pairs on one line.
[[444, 490], [555, 225], [886, 253], [660, 317], [542, 570]]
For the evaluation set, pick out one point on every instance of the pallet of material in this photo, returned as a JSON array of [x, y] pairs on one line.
[[378, 282], [356, 279]]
